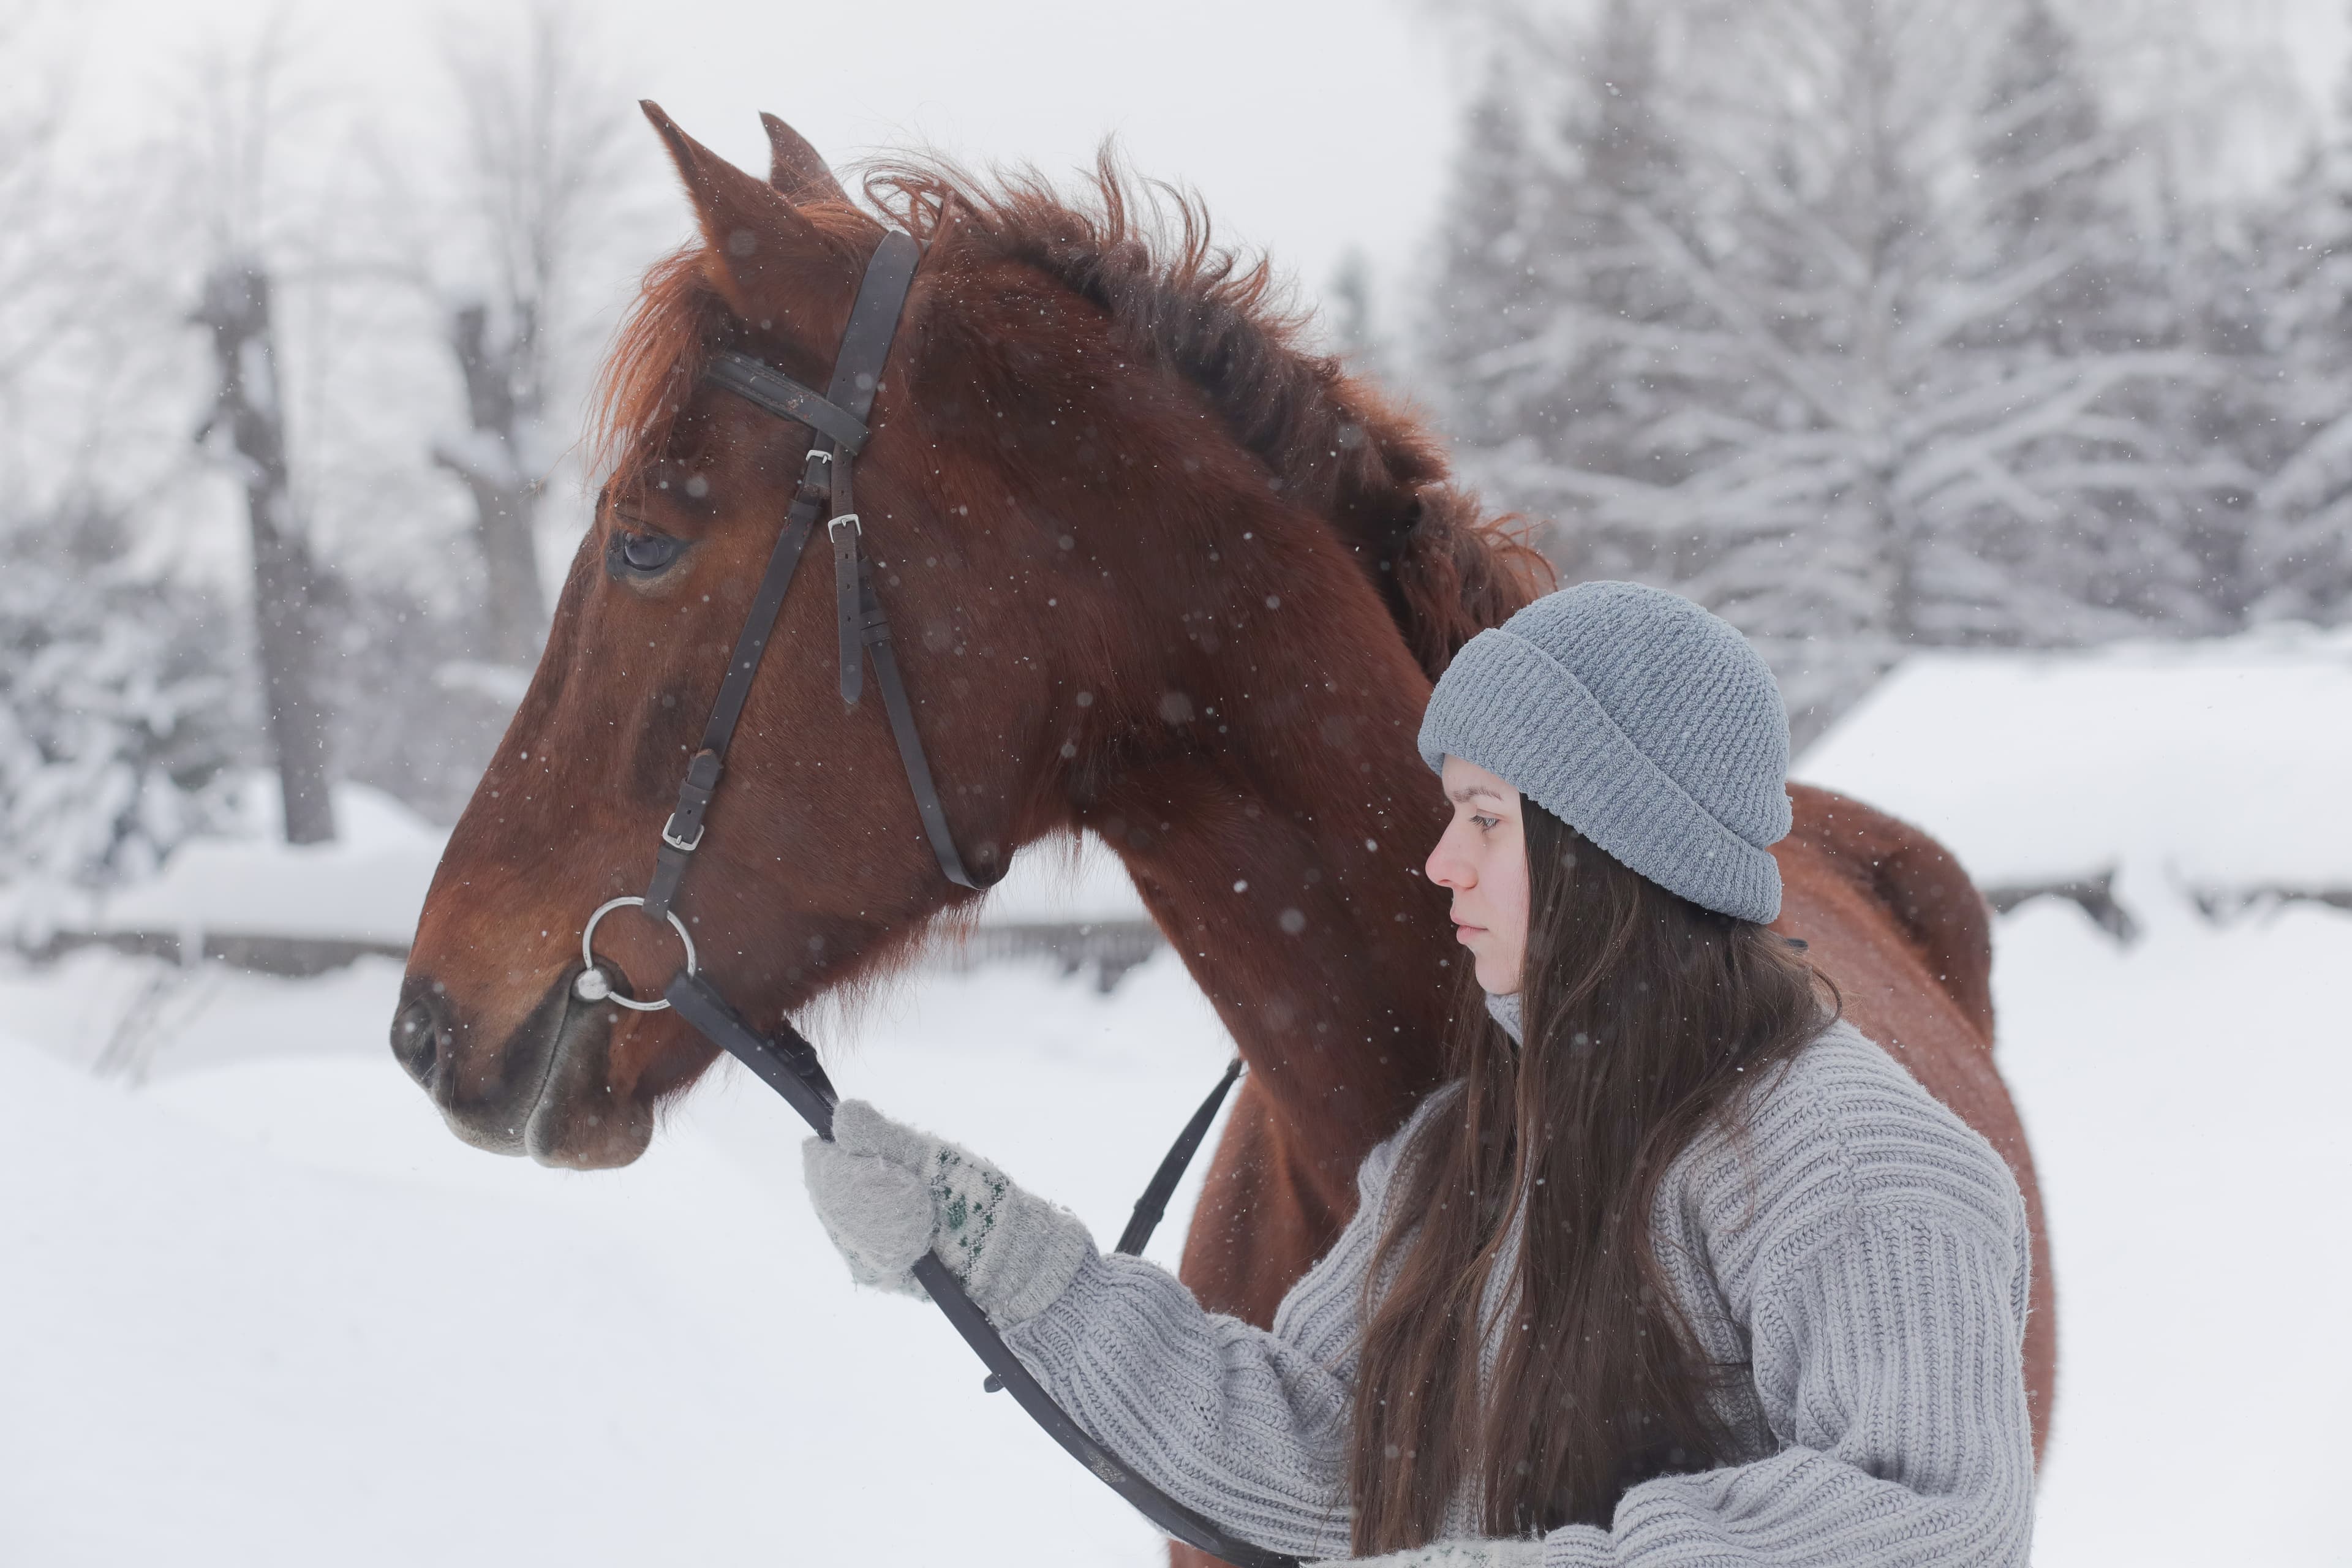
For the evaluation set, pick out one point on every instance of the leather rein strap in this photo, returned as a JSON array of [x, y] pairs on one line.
[[787, 1062]]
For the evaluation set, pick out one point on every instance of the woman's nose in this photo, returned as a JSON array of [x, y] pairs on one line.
[[1447, 870]]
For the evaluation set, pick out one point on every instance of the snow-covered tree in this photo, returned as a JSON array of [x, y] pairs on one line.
[[2040, 146], [2126, 547], [246, 427], [1556, 340], [116, 698], [30, 298], [1486, 298], [117, 716], [1827, 324], [1351, 318], [541, 168], [2296, 556]]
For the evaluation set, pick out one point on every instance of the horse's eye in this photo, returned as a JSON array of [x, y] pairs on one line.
[[640, 554]]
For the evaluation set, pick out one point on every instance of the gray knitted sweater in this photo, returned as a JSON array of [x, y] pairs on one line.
[[1860, 1251]]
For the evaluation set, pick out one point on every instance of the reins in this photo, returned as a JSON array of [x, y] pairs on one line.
[[785, 1061]]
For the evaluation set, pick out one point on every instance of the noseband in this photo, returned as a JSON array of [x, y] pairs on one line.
[[786, 1062]]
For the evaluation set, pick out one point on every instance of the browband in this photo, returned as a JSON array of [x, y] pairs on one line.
[[756, 382]]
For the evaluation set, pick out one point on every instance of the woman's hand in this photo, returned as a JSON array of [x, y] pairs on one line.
[[1456, 1554], [888, 1193]]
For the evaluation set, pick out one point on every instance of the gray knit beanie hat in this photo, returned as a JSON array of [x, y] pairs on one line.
[[1641, 721]]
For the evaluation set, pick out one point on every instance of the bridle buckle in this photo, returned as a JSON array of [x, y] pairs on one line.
[[833, 528], [684, 845]]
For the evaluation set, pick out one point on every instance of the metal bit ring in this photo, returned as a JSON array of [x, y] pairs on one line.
[[594, 985]]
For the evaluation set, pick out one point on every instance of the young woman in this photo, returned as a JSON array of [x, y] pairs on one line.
[[1678, 1268]]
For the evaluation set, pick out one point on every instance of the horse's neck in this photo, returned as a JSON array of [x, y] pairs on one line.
[[1297, 902]]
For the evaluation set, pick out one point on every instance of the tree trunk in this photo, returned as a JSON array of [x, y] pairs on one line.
[[250, 410], [494, 465], [1899, 559]]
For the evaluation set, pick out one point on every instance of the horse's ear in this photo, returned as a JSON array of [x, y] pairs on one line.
[[796, 169], [762, 256]]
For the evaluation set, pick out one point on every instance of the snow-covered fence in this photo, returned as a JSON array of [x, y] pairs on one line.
[[2212, 774], [1067, 902], [254, 902], [1109, 948], [263, 953], [2095, 896]]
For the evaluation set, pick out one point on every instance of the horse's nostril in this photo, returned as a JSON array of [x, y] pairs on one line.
[[416, 1039]]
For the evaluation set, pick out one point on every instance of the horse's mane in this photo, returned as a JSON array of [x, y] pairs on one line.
[[1143, 254]]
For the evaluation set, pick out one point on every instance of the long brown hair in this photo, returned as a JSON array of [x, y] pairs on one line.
[[1644, 1017]]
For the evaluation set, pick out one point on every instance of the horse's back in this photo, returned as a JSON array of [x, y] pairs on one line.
[[1936, 910], [1889, 916]]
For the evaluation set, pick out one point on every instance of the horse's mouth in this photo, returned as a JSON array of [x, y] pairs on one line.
[[551, 1094], [574, 1116]]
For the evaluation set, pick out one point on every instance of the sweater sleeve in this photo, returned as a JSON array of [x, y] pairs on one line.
[[1888, 1363], [1234, 1422], [1243, 1424]]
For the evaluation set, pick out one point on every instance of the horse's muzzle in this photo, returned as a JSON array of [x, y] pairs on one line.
[[543, 1091]]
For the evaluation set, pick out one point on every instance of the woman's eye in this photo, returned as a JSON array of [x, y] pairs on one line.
[[1485, 823], [640, 554]]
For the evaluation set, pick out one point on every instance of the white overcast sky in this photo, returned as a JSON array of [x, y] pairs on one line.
[[1310, 126]]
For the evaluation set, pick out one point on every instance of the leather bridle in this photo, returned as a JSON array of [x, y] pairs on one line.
[[785, 1061]]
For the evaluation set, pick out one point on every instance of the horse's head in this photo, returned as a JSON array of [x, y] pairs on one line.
[[1022, 435]]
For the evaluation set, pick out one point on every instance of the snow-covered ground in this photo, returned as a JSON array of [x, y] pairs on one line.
[[264, 1309], [259, 1307]]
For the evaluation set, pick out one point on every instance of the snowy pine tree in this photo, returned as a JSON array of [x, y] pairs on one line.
[[2040, 148], [1827, 314], [1353, 322], [1485, 298], [116, 720], [2295, 558], [2130, 485], [1557, 348]]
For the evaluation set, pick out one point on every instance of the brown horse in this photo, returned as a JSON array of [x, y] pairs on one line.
[[1158, 575]]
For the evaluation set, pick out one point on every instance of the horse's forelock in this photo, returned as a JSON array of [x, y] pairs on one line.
[[655, 360]]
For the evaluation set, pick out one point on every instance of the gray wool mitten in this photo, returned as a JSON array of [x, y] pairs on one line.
[[888, 1193], [1456, 1554]]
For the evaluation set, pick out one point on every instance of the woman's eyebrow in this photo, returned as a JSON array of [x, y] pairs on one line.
[[1465, 794]]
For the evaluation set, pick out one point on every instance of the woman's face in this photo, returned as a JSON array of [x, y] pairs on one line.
[[1483, 860]]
